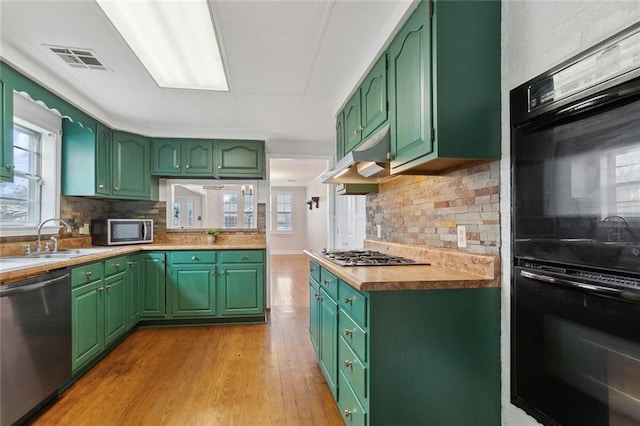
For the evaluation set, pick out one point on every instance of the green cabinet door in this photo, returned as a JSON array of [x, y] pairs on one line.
[[340, 136], [152, 294], [314, 315], [79, 160], [373, 96], [6, 132], [115, 317], [352, 123], [104, 138], [133, 290], [131, 166], [409, 73], [241, 289], [239, 159], [193, 289], [197, 155], [87, 319], [166, 157], [329, 340]]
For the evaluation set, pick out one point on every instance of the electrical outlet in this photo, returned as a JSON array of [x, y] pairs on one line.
[[462, 236], [379, 230]]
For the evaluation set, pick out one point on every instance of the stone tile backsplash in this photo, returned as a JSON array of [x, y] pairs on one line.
[[426, 210]]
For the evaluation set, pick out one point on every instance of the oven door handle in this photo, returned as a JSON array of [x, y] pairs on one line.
[[614, 293]]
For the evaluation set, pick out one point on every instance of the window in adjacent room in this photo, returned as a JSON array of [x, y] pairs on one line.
[[283, 212]]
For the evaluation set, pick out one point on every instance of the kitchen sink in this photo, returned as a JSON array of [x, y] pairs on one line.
[[8, 263]]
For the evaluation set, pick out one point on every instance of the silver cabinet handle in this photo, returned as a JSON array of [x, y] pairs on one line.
[[100, 186], [390, 155], [107, 287], [187, 166], [194, 258], [223, 272], [116, 265], [244, 258], [347, 363], [10, 166], [177, 166], [347, 413], [355, 132], [115, 188], [130, 263], [326, 281], [348, 300], [100, 288], [318, 297], [88, 274], [219, 167], [348, 332]]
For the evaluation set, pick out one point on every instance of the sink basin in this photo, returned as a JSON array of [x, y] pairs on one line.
[[8, 263]]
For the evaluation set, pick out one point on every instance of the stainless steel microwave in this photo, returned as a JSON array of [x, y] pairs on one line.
[[111, 232]]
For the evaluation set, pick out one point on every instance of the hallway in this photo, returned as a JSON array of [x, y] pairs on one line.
[[257, 374]]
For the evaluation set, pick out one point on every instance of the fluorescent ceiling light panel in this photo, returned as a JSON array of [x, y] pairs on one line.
[[175, 41]]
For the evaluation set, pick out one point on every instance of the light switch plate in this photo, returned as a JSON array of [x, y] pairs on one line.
[[462, 236]]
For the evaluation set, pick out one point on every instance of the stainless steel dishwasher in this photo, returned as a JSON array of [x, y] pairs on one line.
[[35, 341]]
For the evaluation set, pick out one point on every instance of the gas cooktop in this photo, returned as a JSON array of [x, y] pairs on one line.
[[366, 258]]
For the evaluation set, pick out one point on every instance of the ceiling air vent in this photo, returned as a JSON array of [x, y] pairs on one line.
[[78, 58]]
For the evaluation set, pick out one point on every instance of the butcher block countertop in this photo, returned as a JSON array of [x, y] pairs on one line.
[[447, 269], [230, 242]]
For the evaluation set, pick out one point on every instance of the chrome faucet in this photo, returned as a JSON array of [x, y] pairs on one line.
[[38, 243]]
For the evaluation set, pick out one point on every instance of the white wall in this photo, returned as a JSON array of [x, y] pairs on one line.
[[537, 35], [295, 242], [318, 218]]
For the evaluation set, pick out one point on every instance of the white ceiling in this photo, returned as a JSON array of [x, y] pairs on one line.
[[290, 64], [295, 171]]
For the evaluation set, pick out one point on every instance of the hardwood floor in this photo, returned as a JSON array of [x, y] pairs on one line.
[[258, 374]]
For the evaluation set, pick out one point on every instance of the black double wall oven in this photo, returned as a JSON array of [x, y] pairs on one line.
[[575, 299]]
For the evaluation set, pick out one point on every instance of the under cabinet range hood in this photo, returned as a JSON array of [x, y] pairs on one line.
[[368, 163]]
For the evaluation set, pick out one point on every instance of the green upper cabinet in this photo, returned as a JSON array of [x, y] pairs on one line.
[[166, 157], [340, 135], [239, 159], [352, 123], [131, 166], [367, 108], [373, 96], [182, 157], [444, 73], [410, 89], [6, 132], [104, 137], [101, 162]]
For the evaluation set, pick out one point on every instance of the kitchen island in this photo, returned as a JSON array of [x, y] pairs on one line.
[[410, 344]]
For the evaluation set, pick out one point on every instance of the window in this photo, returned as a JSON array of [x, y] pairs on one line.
[[248, 206], [34, 195], [230, 210], [627, 194], [284, 212]]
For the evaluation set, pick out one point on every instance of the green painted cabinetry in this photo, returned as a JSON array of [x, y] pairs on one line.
[[6, 132], [115, 297], [411, 357], [314, 313], [153, 285], [100, 162], [192, 283], [444, 75], [241, 287], [134, 280], [87, 313], [239, 159], [182, 157]]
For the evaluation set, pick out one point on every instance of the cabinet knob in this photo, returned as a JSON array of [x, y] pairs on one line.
[[348, 300], [130, 263], [116, 265], [219, 167], [194, 258], [187, 166], [347, 363], [326, 281], [223, 272], [115, 188], [347, 413], [244, 258], [88, 274], [107, 287], [100, 186], [10, 166], [348, 332], [100, 288], [361, 128], [390, 156], [355, 132], [177, 166], [318, 297]]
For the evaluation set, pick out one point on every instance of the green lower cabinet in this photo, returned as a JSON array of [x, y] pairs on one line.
[[314, 314], [241, 289], [353, 413], [87, 313], [115, 317], [134, 279], [153, 283], [329, 340], [193, 289]]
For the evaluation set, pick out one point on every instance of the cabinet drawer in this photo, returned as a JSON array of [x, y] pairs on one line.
[[242, 256], [192, 257], [86, 274], [354, 302], [353, 334], [329, 283], [351, 410], [115, 265], [353, 369], [314, 271]]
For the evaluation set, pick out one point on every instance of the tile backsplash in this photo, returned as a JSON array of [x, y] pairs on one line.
[[426, 210]]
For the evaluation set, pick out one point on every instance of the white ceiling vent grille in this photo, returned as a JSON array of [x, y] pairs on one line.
[[78, 58]]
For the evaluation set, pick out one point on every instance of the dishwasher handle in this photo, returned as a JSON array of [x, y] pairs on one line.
[[17, 289]]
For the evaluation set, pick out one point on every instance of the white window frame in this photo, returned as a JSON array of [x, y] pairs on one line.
[[33, 116], [274, 212]]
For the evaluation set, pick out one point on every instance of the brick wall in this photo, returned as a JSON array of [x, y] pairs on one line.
[[427, 209]]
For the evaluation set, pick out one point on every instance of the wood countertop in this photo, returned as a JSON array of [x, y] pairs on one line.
[[9, 276], [417, 277]]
